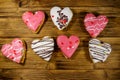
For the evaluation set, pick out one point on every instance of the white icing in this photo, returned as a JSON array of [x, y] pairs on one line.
[[44, 48], [66, 11], [98, 50]]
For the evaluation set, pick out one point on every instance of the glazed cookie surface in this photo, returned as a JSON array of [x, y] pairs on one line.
[[15, 51], [34, 21], [44, 47], [99, 51], [95, 25], [68, 45], [61, 17]]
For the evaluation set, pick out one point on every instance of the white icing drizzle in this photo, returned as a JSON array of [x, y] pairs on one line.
[[99, 51], [44, 48]]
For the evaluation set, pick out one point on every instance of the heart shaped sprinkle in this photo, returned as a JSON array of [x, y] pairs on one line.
[[14, 51], [34, 21], [44, 48], [99, 51], [61, 17], [95, 25], [68, 45]]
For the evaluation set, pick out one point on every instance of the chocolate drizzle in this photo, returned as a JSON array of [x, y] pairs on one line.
[[44, 48], [62, 19], [99, 51]]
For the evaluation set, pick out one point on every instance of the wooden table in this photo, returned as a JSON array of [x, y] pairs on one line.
[[80, 66]]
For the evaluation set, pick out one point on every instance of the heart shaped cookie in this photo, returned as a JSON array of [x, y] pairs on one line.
[[95, 25], [15, 51], [34, 21], [61, 17], [44, 48], [68, 45], [99, 51]]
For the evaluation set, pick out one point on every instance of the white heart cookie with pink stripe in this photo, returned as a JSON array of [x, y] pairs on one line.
[[95, 25], [61, 17], [99, 51], [14, 51]]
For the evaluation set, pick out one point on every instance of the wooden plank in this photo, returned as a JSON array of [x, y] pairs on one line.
[[80, 66], [108, 11], [34, 74], [24, 74], [58, 61], [113, 74], [78, 3], [78, 75], [7, 4], [109, 64]]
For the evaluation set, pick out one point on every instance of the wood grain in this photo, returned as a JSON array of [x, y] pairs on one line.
[[80, 66]]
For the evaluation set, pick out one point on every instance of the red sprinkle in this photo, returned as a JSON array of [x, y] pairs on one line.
[[62, 43], [76, 41], [70, 42], [52, 16]]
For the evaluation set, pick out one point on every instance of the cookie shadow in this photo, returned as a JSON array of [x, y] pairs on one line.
[[46, 19], [86, 49], [21, 3], [25, 54], [56, 50]]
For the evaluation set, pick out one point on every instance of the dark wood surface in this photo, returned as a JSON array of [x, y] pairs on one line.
[[80, 66]]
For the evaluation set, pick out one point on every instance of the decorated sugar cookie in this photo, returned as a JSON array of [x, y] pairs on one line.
[[44, 47], [95, 25], [15, 51], [68, 45], [34, 21], [99, 51], [61, 17]]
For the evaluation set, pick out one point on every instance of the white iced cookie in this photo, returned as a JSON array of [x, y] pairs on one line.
[[61, 17], [99, 51], [44, 47]]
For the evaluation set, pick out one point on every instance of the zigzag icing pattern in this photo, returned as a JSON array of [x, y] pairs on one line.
[[95, 25]]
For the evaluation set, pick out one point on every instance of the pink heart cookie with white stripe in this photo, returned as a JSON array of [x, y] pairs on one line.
[[14, 51], [34, 21], [68, 45], [95, 25]]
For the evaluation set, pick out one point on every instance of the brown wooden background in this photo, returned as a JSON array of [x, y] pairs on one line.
[[79, 67]]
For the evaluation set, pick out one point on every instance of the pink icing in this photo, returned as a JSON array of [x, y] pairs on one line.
[[68, 45], [95, 25], [14, 50], [33, 20]]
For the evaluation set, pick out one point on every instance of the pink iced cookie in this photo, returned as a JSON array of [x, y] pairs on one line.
[[68, 45], [34, 21], [14, 51], [94, 25]]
